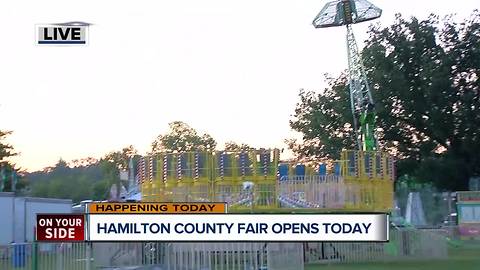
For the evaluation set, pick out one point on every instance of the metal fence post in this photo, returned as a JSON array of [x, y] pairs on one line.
[[34, 255], [88, 256]]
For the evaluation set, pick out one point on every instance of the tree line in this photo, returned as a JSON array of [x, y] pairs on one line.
[[425, 79], [92, 178]]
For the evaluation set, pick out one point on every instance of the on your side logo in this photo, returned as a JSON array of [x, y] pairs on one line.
[[70, 33]]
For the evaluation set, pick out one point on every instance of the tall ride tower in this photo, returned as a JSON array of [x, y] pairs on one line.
[[348, 12]]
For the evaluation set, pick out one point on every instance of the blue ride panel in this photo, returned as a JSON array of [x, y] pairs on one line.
[[337, 169], [154, 167], [322, 170], [300, 170], [283, 171], [171, 172], [184, 166], [202, 170]]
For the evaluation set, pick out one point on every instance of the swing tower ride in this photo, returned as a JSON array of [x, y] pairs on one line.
[[346, 13]]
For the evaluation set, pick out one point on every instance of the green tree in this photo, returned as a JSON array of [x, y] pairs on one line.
[[114, 162], [9, 174], [6, 150], [100, 190], [80, 182], [182, 138], [236, 147], [120, 159], [425, 76], [324, 122]]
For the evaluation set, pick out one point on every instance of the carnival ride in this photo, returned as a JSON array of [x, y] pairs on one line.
[[257, 180], [345, 13]]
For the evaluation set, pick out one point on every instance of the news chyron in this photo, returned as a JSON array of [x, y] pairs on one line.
[[206, 222], [62, 34]]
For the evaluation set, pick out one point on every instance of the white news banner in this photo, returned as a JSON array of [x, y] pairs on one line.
[[238, 227]]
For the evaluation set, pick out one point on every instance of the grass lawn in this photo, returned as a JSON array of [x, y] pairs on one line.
[[466, 257]]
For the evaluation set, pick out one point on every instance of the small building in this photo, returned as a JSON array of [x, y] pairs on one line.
[[19, 215], [468, 209]]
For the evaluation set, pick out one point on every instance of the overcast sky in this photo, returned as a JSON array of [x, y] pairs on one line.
[[229, 68]]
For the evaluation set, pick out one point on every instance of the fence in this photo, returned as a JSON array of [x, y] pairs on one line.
[[168, 256], [200, 256], [72, 256], [404, 245]]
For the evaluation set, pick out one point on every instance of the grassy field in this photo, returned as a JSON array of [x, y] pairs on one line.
[[466, 257]]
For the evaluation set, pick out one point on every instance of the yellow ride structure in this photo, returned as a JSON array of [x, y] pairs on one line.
[[257, 181]]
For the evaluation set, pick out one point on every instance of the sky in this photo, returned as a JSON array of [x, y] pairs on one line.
[[230, 68]]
